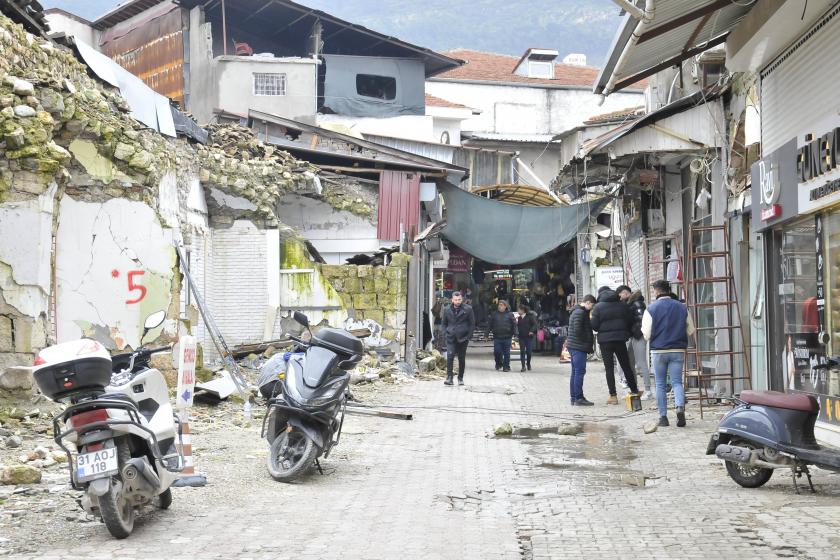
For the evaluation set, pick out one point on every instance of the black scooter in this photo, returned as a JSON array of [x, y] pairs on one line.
[[307, 404], [770, 430]]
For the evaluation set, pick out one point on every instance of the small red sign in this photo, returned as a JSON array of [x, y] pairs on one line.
[[773, 211]]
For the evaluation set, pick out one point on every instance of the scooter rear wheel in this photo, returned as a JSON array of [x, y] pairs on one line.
[[164, 499], [118, 512], [290, 456], [746, 475]]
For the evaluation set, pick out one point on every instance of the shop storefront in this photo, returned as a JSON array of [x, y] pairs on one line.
[[796, 205]]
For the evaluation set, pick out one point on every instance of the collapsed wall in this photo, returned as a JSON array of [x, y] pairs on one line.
[[91, 202]]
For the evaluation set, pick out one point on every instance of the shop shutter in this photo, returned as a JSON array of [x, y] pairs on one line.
[[806, 70], [634, 264], [399, 205]]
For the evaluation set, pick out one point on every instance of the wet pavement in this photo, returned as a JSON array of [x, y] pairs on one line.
[[567, 482]]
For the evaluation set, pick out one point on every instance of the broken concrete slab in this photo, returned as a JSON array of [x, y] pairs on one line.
[[219, 388], [16, 378]]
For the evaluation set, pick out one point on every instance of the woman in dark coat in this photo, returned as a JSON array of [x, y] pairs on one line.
[[526, 327]]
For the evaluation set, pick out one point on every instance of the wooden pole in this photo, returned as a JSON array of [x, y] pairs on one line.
[[224, 28]]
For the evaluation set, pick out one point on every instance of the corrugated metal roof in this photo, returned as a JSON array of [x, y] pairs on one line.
[[124, 11], [353, 38], [509, 137], [678, 30]]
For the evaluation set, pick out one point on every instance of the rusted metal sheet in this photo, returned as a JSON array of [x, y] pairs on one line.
[[152, 49], [399, 205]]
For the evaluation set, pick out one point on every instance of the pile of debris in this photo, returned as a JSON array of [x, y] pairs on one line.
[[430, 365]]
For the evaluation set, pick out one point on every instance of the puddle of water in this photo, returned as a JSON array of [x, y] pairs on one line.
[[595, 452]]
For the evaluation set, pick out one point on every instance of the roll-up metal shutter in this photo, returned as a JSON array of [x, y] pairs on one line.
[[800, 87], [635, 271]]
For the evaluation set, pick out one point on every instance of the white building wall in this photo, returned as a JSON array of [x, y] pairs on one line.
[[60, 23], [235, 83], [528, 110], [336, 234], [410, 127]]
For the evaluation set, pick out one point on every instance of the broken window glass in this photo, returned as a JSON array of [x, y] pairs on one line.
[[379, 87]]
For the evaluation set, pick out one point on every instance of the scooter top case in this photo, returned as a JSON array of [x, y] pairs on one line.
[[72, 368]]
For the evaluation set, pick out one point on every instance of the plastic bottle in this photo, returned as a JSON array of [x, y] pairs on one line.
[[246, 410]]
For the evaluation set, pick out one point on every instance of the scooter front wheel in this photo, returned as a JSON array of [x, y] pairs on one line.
[[290, 456], [747, 476]]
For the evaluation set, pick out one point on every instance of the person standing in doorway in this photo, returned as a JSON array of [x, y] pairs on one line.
[[667, 325], [611, 319], [503, 326], [526, 326], [457, 325], [580, 342], [637, 346]]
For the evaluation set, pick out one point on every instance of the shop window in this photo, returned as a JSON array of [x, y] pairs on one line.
[[269, 84], [832, 295], [379, 87], [796, 325]]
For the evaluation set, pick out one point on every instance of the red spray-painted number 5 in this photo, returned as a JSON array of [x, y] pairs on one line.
[[133, 286]]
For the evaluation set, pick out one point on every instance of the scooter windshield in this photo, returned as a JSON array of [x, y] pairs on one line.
[[319, 362]]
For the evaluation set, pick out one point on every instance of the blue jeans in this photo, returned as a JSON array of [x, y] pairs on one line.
[[501, 351], [578, 371], [668, 364], [526, 349]]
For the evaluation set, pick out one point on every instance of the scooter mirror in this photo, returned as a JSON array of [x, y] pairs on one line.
[[301, 319], [154, 320]]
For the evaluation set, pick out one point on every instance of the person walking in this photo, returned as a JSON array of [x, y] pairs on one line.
[[503, 326], [611, 319], [526, 327], [667, 325], [457, 325], [580, 342], [637, 346]]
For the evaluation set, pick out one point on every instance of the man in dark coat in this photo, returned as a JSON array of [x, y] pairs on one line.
[[503, 326], [457, 325], [580, 342], [612, 320]]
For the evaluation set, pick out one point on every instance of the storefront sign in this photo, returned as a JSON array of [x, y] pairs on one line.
[[774, 187], [817, 169], [612, 276], [459, 260]]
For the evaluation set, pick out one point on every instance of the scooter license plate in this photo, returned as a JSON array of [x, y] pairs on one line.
[[97, 464]]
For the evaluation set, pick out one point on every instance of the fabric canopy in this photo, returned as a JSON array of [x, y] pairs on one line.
[[502, 233]]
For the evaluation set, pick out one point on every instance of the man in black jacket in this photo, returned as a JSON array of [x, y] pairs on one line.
[[503, 326], [612, 320], [457, 325], [580, 342]]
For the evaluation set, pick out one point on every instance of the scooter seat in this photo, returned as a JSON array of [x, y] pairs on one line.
[[790, 401]]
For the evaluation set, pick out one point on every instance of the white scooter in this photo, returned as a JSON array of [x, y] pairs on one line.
[[121, 422]]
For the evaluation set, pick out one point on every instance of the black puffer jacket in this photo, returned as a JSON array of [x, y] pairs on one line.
[[611, 318], [637, 309], [580, 331]]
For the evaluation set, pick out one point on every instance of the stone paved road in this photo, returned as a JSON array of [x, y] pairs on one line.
[[439, 488]]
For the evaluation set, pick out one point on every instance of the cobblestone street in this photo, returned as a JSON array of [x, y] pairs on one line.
[[440, 487]]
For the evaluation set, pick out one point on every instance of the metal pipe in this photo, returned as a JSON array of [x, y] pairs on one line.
[[224, 29], [646, 19], [630, 8]]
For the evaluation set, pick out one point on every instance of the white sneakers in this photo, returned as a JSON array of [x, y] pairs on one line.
[[646, 396]]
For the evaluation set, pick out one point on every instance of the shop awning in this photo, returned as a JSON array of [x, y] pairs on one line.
[[503, 233], [529, 195], [673, 31]]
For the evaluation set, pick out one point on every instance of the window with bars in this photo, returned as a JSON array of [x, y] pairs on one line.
[[269, 84]]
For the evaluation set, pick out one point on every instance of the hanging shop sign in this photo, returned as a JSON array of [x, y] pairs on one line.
[[612, 276], [774, 187]]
